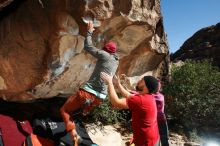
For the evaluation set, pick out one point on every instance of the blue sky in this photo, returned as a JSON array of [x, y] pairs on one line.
[[182, 18]]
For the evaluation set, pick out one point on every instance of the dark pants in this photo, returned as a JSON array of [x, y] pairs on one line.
[[158, 143], [163, 130]]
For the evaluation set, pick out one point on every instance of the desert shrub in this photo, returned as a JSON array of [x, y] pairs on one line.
[[193, 94], [106, 114]]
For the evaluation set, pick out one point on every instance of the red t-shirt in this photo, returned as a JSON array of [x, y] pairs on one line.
[[144, 119]]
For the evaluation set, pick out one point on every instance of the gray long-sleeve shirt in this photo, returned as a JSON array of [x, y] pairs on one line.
[[106, 62]]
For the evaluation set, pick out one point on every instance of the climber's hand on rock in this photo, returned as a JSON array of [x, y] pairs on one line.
[[90, 27]]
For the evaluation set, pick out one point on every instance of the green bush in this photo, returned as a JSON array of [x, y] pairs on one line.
[[193, 136], [194, 94], [106, 114]]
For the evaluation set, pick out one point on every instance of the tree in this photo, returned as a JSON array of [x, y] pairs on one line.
[[194, 94]]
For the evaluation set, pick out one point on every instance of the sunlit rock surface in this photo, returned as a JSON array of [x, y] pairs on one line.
[[41, 43]]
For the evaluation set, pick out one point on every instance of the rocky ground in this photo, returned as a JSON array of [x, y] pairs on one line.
[[115, 135]]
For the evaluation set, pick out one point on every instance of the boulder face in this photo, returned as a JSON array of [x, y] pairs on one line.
[[41, 49], [4, 3], [204, 44]]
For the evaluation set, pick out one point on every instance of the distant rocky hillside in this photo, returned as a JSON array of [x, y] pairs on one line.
[[204, 44]]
